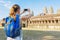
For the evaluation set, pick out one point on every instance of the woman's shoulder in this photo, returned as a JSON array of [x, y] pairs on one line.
[[17, 15]]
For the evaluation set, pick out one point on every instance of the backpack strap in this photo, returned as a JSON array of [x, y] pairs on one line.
[[8, 20]]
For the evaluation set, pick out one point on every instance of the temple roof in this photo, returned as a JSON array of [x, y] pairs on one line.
[[46, 17]]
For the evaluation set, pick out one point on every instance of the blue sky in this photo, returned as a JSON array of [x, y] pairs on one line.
[[35, 5]]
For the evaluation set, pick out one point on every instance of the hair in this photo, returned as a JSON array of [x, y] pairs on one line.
[[14, 9]]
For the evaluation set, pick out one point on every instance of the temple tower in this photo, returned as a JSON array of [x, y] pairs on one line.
[[45, 11], [58, 11], [51, 10]]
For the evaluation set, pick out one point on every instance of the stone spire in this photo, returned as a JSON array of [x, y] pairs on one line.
[[45, 10], [58, 11], [32, 13], [51, 10]]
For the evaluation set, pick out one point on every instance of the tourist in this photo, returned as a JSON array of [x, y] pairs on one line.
[[12, 28]]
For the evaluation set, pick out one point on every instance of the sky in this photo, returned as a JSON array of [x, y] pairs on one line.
[[35, 5]]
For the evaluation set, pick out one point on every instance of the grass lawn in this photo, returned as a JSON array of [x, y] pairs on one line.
[[36, 35]]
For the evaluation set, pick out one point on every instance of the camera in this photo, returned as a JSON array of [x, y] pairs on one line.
[[25, 9]]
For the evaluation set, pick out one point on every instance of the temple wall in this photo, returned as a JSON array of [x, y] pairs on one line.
[[45, 24], [24, 23]]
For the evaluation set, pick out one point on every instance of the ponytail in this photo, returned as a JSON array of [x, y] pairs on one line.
[[14, 9]]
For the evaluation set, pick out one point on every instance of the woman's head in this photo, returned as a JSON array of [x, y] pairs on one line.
[[15, 9]]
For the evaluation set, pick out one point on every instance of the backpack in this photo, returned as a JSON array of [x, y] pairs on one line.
[[10, 29]]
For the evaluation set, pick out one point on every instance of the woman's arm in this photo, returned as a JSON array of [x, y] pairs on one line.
[[22, 12], [25, 11], [17, 20]]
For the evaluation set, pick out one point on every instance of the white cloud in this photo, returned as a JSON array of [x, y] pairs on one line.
[[2, 1], [6, 4]]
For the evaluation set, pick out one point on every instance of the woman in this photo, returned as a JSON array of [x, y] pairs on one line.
[[15, 14]]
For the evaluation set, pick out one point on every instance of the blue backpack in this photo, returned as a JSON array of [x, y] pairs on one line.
[[10, 28]]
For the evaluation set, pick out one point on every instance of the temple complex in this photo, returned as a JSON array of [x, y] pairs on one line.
[[46, 19]]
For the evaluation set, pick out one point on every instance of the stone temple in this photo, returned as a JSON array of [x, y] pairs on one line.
[[46, 19]]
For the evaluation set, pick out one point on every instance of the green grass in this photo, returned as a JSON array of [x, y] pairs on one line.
[[35, 35]]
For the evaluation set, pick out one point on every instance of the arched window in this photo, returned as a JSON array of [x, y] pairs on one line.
[[43, 21], [49, 21], [52, 21], [40, 21], [46, 21], [56, 21], [30, 21]]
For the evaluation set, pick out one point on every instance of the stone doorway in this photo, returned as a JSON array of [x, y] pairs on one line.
[[24, 25]]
